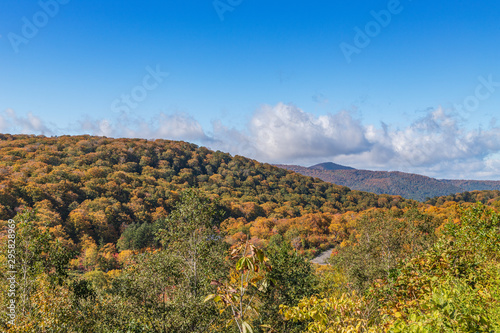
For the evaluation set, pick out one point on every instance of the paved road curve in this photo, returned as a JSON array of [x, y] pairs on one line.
[[322, 258]]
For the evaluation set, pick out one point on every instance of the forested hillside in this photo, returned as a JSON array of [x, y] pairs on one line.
[[491, 198], [330, 166], [98, 187], [407, 185]]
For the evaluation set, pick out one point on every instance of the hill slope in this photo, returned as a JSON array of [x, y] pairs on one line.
[[407, 185], [487, 197], [98, 186], [329, 166]]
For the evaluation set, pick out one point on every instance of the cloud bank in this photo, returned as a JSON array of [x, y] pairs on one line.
[[162, 126], [437, 144], [11, 122]]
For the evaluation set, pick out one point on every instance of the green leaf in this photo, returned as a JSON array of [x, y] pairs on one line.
[[246, 327], [263, 287], [260, 256], [240, 264]]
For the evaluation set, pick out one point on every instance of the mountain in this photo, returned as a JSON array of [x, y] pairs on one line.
[[487, 197], [98, 186], [407, 185], [329, 166]]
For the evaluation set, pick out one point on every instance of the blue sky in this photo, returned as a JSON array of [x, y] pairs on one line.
[[384, 85]]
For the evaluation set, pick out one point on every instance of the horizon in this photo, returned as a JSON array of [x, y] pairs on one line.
[[388, 171], [390, 85], [274, 164]]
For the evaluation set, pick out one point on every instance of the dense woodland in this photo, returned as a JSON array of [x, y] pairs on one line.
[[129, 235], [407, 185], [485, 197], [98, 187]]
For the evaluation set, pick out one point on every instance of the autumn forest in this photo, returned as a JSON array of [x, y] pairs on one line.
[[135, 235]]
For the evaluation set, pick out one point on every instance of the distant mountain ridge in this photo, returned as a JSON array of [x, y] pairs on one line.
[[407, 185], [330, 166]]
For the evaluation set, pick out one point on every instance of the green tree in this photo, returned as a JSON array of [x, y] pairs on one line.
[[139, 236], [381, 240], [293, 279], [143, 296], [192, 237], [39, 260]]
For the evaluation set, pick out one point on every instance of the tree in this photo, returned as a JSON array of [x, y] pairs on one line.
[[451, 287], [147, 293], [344, 314], [293, 279], [247, 281], [380, 240], [39, 260], [139, 236], [162, 290], [192, 237]]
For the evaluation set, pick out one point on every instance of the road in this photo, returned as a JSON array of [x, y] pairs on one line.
[[322, 258]]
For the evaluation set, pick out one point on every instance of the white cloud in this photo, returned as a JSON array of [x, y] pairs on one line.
[[179, 126], [162, 126], [436, 145], [439, 137], [285, 132], [11, 122]]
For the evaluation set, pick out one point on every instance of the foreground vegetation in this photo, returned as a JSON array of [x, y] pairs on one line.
[[393, 273], [100, 249]]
